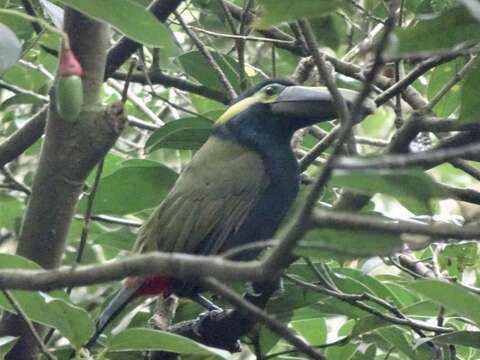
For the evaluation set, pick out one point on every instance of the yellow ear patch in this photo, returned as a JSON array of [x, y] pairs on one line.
[[237, 108]]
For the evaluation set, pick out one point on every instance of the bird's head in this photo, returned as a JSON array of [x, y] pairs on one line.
[[282, 104]]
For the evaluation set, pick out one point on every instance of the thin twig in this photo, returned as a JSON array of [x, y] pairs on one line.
[[357, 301], [426, 159], [30, 10], [319, 148], [324, 72], [412, 76], [88, 214], [158, 77], [274, 61], [18, 90], [454, 80], [340, 342], [18, 309], [366, 12], [154, 94], [438, 231], [281, 254], [262, 316], [126, 86], [18, 185], [115, 220], [241, 43], [240, 37], [139, 103], [208, 56], [229, 16]]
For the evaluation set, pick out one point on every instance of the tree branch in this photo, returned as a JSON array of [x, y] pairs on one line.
[[181, 265], [438, 232], [425, 159], [59, 180]]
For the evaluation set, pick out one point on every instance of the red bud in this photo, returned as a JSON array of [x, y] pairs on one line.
[[69, 64]]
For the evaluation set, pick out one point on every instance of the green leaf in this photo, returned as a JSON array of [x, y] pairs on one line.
[[119, 239], [313, 330], [137, 339], [128, 17], [347, 243], [344, 352], [335, 307], [186, 134], [396, 337], [137, 185], [443, 31], [330, 30], [473, 6], [453, 297], [373, 286], [6, 344], [404, 296], [440, 76], [463, 338], [368, 323], [469, 111], [425, 308], [22, 29], [111, 162], [365, 353], [53, 309], [455, 258], [293, 298], [195, 64], [273, 12], [413, 188], [10, 48], [11, 210], [21, 99]]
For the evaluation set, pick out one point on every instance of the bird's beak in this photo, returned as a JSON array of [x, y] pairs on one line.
[[314, 104]]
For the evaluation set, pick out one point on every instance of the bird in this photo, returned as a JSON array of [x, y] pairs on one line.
[[236, 189]]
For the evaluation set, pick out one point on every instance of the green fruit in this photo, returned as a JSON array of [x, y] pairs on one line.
[[69, 96]]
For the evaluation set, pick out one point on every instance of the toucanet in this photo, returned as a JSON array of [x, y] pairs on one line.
[[236, 189]]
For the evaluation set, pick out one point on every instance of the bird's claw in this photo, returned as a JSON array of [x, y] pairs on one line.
[[203, 323]]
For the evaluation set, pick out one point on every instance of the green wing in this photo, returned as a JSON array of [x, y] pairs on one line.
[[210, 201]]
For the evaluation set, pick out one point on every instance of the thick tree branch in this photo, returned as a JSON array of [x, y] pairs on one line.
[[195, 266], [181, 265], [69, 152]]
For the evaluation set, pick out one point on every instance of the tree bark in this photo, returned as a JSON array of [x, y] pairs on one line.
[[69, 152]]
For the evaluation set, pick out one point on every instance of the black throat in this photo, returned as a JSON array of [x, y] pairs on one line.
[[266, 136], [270, 137]]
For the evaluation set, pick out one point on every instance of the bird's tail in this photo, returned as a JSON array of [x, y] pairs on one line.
[[116, 305]]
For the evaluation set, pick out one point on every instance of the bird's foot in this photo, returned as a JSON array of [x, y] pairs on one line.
[[203, 321], [207, 320], [273, 289]]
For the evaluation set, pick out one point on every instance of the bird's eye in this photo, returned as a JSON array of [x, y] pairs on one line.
[[270, 90]]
